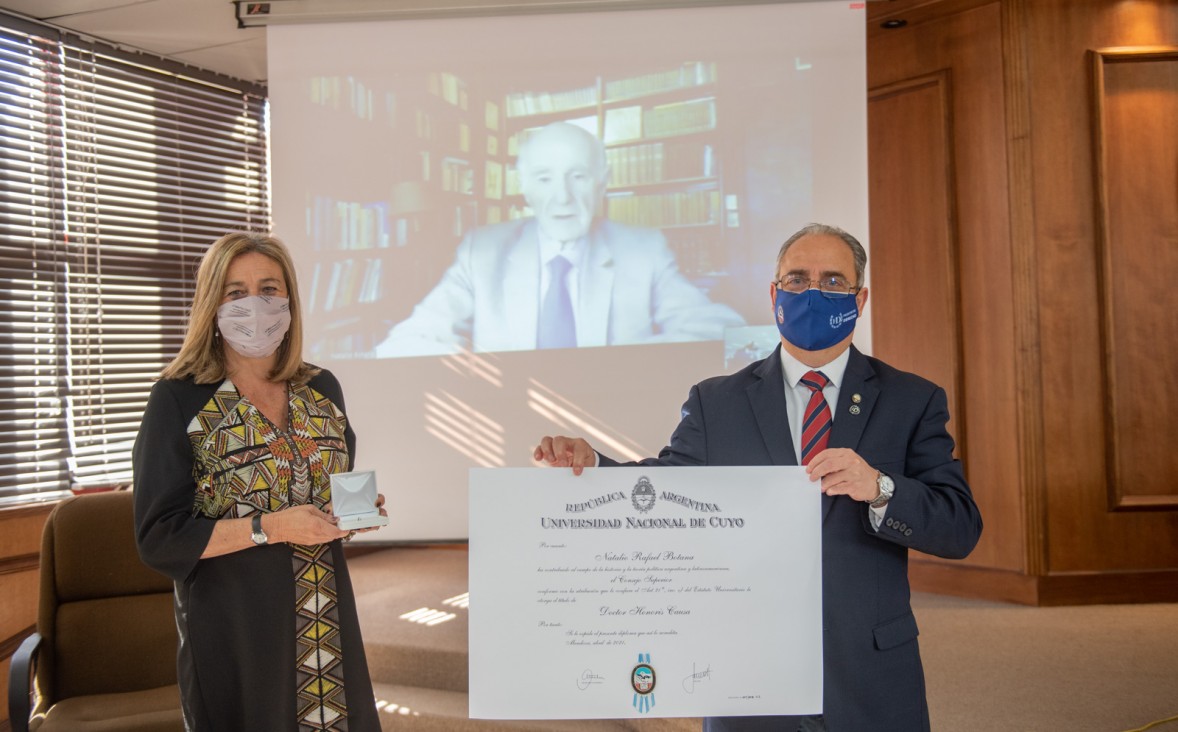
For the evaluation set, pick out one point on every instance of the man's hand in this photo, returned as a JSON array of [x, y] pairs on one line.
[[565, 452], [844, 473]]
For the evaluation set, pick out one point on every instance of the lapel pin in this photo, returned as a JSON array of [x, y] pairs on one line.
[[855, 409], [856, 398]]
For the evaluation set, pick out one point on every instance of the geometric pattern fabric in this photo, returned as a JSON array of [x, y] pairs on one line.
[[319, 677], [245, 464]]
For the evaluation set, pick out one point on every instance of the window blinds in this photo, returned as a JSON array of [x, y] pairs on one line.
[[118, 171]]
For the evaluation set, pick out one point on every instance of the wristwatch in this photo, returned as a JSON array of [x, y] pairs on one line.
[[886, 488], [257, 534]]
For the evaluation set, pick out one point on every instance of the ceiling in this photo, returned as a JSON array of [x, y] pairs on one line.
[[200, 33], [205, 33]]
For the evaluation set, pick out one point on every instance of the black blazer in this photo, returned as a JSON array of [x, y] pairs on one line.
[[872, 677]]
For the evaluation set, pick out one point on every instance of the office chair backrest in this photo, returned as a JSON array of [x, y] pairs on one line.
[[106, 617]]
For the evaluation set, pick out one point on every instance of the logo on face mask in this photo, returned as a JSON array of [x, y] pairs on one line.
[[836, 321], [254, 326], [813, 320]]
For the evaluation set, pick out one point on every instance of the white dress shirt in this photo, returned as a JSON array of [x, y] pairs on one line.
[[797, 396]]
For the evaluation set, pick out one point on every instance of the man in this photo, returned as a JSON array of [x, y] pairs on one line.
[[885, 462], [563, 278]]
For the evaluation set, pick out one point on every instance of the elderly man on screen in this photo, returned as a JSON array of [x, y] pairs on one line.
[[563, 278]]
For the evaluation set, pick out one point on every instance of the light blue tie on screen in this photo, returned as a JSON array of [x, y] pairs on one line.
[[557, 328]]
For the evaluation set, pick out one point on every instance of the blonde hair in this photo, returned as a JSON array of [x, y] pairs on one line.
[[202, 356]]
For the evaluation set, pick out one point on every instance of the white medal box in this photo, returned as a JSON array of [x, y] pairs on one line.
[[353, 500]]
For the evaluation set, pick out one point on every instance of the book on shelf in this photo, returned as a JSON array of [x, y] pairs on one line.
[[351, 281], [425, 124], [335, 224], [493, 180], [466, 216], [689, 74], [457, 176], [682, 208], [390, 108], [680, 118], [370, 287], [698, 251], [313, 288], [343, 93], [623, 124], [340, 271], [452, 88], [361, 99], [658, 162], [522, 104]]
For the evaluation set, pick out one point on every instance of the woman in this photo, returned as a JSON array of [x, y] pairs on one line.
[[232, 488]]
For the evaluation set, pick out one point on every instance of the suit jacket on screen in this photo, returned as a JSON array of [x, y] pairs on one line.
[[631, 291], [873, 680]]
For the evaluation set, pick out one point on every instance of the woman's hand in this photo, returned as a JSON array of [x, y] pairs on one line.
[[379, 507], [302, 525]]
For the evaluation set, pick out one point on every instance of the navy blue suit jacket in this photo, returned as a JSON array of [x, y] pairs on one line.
[[873, 678]]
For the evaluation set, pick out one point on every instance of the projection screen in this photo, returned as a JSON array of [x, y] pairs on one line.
[[668, 154]]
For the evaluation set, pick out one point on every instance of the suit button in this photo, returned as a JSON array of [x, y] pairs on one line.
[[890, 522], [908, 532], [902, 527]]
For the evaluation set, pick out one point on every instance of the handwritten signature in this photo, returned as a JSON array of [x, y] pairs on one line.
[[588, 678], [696, 677]]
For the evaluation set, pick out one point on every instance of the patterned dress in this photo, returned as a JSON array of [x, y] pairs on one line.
[[256, 638]]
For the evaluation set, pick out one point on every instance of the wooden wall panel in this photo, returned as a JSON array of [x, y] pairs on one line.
[[1136, 153], [961, 214], [913, 236], [20, 530], [20, 547], [19, 609], [4, 725], [1084, 534], [1066, 242]]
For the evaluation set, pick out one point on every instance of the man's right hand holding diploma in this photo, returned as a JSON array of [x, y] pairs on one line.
[[565, 452]]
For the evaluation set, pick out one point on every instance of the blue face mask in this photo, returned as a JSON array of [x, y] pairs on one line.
[[812, 320]]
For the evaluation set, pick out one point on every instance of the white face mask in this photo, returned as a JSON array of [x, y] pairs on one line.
[[255, 325]]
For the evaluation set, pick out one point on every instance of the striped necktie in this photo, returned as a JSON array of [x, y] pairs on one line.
[[817, 420]]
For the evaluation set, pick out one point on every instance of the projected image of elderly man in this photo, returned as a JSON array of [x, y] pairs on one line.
[[565, 277]]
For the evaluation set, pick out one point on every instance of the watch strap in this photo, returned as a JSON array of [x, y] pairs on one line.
[[259, 537], [886, 489]]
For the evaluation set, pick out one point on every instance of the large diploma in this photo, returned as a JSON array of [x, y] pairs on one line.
[[644, 592]]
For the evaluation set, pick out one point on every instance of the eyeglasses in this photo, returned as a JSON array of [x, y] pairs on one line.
[[829, 286]]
